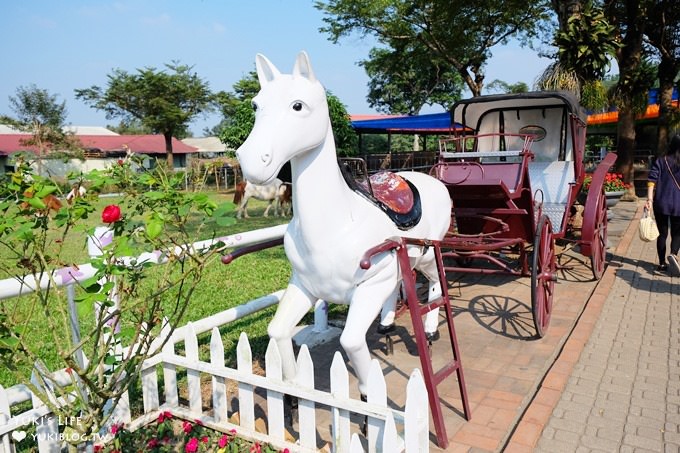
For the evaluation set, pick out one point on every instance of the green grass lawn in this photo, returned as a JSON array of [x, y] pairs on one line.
[[222, 286]]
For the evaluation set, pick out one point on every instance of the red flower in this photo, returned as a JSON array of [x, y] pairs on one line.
[[111, 214], [98, 448], [187, 427], [256, 448], [120, 162], [153, 443], [192, 445], [166, 415], [223, 442], [116, 427]]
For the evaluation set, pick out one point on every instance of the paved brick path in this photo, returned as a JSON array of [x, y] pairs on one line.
[[623, 390]]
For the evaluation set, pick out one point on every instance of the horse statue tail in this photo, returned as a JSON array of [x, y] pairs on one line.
[[239, 191]]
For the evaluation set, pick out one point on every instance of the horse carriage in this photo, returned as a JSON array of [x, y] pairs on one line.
[[514, 173]]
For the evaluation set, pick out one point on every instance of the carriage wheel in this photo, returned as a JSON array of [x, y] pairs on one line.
[[543, 276], [598, 247]]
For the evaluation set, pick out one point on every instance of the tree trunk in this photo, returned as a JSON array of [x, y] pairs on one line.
[[625, 148], [667, 72], [168, 150]]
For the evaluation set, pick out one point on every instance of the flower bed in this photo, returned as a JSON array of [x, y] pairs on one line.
[[613, 182], [169, 434]]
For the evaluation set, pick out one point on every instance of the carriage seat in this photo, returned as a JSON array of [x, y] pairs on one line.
[[553, 179]]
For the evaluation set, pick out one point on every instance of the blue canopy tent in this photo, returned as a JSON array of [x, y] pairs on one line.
[[428, 124]]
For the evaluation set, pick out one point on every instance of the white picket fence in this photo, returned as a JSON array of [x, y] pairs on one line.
[[17, 421], [388, 429]]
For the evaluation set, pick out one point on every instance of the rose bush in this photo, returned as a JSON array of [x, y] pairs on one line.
[[154, 216], [167, 435]]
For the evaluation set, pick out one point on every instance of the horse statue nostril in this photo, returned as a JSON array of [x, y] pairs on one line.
[[266, 158]]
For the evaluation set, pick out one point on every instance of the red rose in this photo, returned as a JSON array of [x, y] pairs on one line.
[[187, 427], [192, 445], [223, 442], [111, 214]]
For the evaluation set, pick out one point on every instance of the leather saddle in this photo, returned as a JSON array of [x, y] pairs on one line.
[[397, 197]]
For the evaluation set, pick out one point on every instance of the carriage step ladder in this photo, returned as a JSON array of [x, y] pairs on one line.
[[417, 311]]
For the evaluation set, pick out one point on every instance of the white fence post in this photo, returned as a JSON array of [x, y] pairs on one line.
[[246, 403], [416, 425], [193, 376], [219, 385], [340, 389], [376, 394], [273, 370], [306, 408], [5, 414]]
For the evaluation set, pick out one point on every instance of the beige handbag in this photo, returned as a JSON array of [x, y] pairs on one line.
[[648, 229]]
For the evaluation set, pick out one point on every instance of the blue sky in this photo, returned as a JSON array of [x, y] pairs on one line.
[[62, 46]]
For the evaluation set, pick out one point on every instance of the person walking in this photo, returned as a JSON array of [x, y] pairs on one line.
[[663, 198]]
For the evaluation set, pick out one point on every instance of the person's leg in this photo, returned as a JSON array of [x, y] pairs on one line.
[[662, 224], [675, 234]]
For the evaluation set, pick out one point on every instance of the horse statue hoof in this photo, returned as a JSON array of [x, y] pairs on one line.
[[432, 336], [384, 330]]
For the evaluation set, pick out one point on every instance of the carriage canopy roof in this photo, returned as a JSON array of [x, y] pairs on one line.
[[469, 111]]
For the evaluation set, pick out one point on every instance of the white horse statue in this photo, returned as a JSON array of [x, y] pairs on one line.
[[270, 192], [332, 225]]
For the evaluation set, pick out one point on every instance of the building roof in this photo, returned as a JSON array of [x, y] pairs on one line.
[[206, 144], [143, 144]]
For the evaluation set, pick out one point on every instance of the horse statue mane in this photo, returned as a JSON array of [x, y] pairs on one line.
[[332, 225]]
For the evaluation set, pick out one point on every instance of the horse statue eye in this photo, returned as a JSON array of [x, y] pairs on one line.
[[297, 106], [254, 105]]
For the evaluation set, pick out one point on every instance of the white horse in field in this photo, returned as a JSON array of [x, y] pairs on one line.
[[270, 192], [332, 225]]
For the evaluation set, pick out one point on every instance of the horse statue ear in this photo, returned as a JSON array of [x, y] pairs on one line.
[[266, 71], [303, 67]]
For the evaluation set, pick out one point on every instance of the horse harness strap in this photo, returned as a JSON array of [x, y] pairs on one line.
[[397, 197]]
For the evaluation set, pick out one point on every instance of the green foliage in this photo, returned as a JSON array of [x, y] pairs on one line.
[[41, 115], [587, 43], [164, 101], [459, 32], [236, 127], [501, 86], [345, 138], [154, 217], [404, 80], [36, 106]]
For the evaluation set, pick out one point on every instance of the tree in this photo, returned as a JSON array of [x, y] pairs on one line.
[[460, 33], [501, 86], [42, 115], [586, 44], [665, 39], [404, 80], [630, 94], [240, 118], [163, 101]]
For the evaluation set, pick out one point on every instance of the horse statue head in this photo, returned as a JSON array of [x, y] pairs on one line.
[[291, 117]]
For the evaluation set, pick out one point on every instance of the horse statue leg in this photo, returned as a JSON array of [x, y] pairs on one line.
[[294, 304], [365, 305], [427, 265]]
